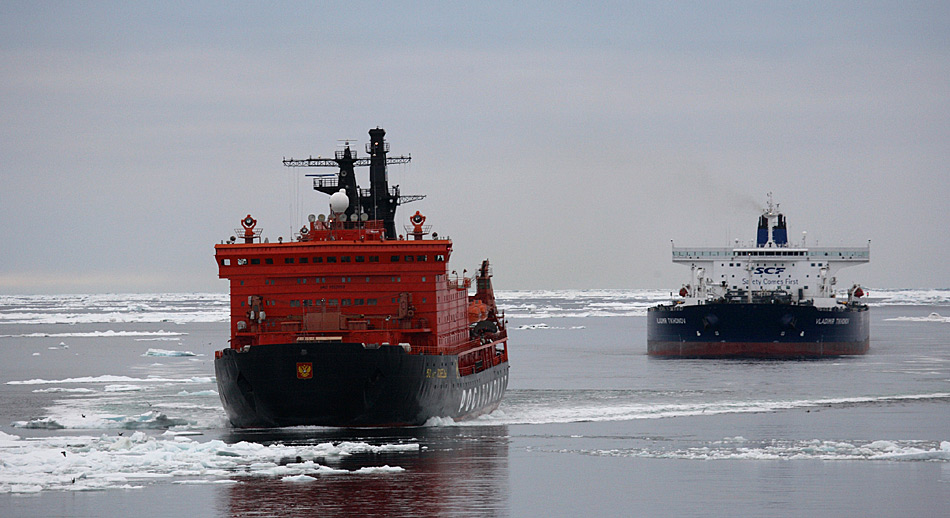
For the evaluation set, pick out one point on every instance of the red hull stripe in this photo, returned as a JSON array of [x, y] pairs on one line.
[[755, 349]]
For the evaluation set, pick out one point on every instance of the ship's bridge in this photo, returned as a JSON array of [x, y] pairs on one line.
[[845, 254], [769, 267], [800, 274]]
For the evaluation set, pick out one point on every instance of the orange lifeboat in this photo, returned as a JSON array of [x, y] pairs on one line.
[[477, 311]]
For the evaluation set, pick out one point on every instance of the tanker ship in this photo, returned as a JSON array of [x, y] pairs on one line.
[[770, 299], [348, 323]]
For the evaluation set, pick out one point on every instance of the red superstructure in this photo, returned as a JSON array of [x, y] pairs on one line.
[[345, 283]]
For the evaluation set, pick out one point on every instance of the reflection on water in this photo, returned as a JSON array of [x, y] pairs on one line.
[[457, 471]]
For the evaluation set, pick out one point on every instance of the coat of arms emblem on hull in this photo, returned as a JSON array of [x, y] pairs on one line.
[[305, 371]]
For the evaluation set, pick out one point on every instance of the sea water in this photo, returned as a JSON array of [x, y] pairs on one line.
[[108, 406]]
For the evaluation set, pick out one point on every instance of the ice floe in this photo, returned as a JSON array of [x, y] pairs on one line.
[[815, 449], [933, 317], [78, 390], [82, 463], [182, 308], [96, 334], [541, 410], [198, 393], [152, 420], [123, 388], [439, 421], [165, 353], [108, 378], [176, 308], [543, 325]]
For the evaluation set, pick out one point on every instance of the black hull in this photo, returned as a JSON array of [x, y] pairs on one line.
[[723, 330], [346, 384]]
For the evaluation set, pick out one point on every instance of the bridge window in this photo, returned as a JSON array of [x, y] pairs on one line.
[[359, 258], [345, 259], [288, 260], [303, 260], [225, 262], [409, 258], [394, 259], [318, 259], [269, 260], [374, 258], [370, 302], [421, 258], [331, 259], [241, 262]]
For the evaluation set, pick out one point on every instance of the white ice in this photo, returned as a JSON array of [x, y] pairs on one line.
[[79, 463], [548, 412], [933, 317], [108, 378], [181, 308], [65, 390], [740, 449], [163, 352], [544, 326], [97, 334]]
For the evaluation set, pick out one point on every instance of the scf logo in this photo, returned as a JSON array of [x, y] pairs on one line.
[[768, 270]]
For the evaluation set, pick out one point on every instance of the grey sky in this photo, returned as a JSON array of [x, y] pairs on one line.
[[567, 143]]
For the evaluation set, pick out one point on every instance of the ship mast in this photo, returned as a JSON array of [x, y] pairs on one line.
[[379, 202], [771, 217]]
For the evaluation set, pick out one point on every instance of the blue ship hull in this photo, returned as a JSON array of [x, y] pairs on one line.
[[754, 330]]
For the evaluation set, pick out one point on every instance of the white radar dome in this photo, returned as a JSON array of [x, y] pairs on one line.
[[339, 202]]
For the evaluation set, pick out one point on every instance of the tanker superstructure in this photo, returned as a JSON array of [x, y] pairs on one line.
[[350, 324], [770, 299]]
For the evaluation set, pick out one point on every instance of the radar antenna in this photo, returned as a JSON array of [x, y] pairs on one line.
[[380, 200]]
